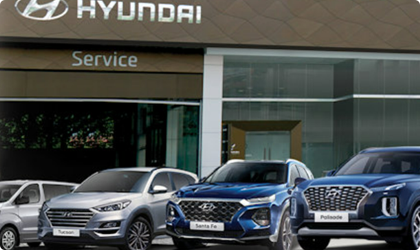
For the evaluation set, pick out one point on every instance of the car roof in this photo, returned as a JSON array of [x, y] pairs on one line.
[[255, 161], [146, 169], [22, 182], [390, 149]]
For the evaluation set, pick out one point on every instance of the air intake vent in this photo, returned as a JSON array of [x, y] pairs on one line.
[[69, 218]]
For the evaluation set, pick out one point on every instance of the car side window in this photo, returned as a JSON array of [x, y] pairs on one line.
[[32, 192], [293, 174], [51, 191], [162, 179], [190, 179], [180, 180], [303, 173]]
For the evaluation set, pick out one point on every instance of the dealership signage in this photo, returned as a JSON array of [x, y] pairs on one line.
[[100, 9], [107, 60]]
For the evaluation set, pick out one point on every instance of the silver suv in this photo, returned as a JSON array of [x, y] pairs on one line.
[[122, 207], [20, 202]]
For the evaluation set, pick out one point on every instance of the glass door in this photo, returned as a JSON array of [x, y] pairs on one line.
[[267, 145]]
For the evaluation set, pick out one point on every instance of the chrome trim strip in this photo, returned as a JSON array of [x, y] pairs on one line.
[[242, 240], [369, 192], [337, 232]]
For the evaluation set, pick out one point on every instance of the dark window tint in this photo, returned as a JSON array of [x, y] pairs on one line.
[[114, 181], [162, 179], [180, 180], [7, 191], [248, 172], [51, 191], [32, 192], [382, 163]]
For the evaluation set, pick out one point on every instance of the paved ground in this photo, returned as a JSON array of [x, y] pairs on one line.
[[166, 244]]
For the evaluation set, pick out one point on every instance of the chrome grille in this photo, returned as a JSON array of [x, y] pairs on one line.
[[210, 211], [335, 198], [69, 218]]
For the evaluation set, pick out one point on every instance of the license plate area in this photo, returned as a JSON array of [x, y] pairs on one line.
[[63, 232], [331, 217], [207, 226]]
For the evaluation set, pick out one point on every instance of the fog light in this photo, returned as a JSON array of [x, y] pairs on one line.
[[390, 206], [262, 217], [171, 214], [111, 224]]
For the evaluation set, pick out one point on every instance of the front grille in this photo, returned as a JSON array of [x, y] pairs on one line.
[[210, 211], [69, 217], [335, 198]]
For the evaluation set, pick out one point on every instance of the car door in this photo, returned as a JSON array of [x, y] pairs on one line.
[[158, 201], [29, 212]]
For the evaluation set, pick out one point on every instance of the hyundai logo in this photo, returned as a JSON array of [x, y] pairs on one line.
[[42, 12], [333, 193], [207, 207], [68, 214]]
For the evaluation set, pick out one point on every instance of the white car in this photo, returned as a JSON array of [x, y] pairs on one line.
[[20, 202]]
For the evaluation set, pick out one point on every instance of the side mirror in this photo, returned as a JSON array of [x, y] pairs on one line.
[[299, 180], [331, 173], [22, 200], [158, 189]]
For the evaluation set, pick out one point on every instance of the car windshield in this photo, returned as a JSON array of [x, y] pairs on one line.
[[7, 191], [244, 172], [382, 163], [114, 181]]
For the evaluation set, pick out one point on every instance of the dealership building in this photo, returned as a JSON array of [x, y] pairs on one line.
[[93, 84]]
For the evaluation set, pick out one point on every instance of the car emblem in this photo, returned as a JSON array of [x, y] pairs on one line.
[[42, 12], [67, 214], [333, 193], [207, 207]]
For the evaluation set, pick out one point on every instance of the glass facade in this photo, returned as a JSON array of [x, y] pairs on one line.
[[344, 105], [40, 139]]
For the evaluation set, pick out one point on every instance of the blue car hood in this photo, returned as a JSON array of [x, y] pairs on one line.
[[367, 180], [231, 190]]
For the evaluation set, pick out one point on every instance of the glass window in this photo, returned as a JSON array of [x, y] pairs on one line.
[[7, 191], [51, 191], [180, 180], [32, 192], [293, 174], [303, 173], [248, 172], [114, 181], [162, 179]]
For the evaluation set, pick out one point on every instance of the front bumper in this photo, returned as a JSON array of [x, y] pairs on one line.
[[241, 229], [92, 234]]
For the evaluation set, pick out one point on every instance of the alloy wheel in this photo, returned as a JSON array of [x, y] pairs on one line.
[[416, 227], [8, 240], [138, 236], [287, 236]]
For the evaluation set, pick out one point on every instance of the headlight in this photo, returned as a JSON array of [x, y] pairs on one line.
[[175, 199], [388, 188], [114, 206], [260, 200], [171, 213]]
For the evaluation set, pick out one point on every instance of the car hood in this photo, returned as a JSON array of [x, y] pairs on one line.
[[231, 190], [89, 200], [367, 180]]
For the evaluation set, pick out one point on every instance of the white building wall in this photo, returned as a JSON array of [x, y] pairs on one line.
[[211, 128]]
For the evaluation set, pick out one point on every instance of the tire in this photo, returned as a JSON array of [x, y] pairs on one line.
[[187, 244], [412, 240], [9, 238], [138, 235], [313, 243], [285, 236], [34, 244]]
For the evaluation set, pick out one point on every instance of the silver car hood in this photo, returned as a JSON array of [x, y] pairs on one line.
[[89, 200]]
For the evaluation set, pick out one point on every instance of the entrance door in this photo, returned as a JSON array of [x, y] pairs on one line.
[[267, 145]]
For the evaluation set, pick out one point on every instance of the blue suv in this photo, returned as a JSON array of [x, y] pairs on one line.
[[240, 202], [375, 195]]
